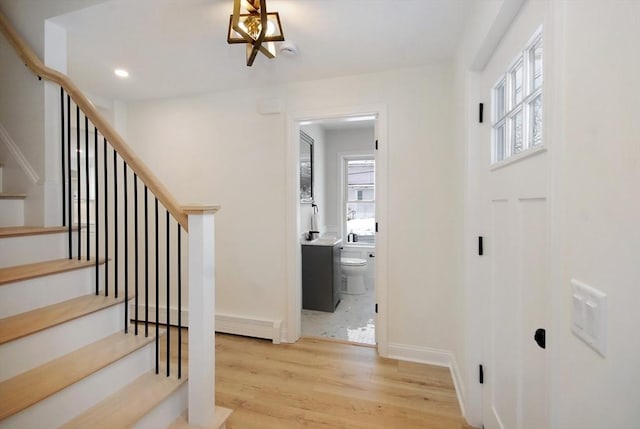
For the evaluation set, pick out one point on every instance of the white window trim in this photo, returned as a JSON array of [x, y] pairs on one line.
[[511, 108], [343, 157]]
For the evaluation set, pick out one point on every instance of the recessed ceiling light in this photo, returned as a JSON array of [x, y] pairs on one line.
[[303, 123], [121, 73]]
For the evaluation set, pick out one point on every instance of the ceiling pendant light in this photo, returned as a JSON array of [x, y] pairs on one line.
[[250, 23]]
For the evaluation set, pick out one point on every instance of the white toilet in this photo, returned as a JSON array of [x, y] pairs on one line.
[[353, 270]]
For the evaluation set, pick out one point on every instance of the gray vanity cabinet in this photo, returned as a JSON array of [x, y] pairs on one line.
[[321, 277]]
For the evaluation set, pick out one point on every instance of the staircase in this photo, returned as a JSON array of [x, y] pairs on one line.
[[70, 354], [65, 360]]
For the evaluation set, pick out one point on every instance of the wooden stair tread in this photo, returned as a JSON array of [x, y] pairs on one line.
[[129, 405], [30, 322], [12, 196], [222, 414], [40, 269], [20, 231], [32, 386]]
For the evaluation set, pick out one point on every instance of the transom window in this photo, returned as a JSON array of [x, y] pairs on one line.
[[517, 104], [360, 200]]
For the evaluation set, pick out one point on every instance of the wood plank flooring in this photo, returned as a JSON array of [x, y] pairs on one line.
[[321, 384]]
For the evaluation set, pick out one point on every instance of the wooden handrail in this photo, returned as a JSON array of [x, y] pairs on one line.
[[32, 61]]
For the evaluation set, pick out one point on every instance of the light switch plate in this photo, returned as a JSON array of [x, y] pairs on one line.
[[589, 315]]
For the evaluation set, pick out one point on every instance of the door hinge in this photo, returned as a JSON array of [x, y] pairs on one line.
[[480, 246], [481, 374], [376, 226], [376, 144], [481, 112], [376, 308]]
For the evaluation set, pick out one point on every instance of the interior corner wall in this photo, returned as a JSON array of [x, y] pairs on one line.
[[28, 17], [216, 148], [596, 169], [22, 116], [22, 107]]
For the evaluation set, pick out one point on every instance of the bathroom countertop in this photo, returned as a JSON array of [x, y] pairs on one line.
[[323, 241]]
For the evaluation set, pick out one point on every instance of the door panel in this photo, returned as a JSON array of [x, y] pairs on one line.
[[516, 389], [534, 280], [504, 356]]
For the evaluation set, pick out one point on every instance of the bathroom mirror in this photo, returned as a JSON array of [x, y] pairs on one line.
[[306, 168]]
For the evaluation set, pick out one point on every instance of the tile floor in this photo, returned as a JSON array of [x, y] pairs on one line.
[[353, 320]]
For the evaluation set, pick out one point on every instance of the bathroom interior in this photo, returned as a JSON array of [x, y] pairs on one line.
[[337, 228]]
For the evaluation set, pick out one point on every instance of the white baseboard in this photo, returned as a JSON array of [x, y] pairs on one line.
[[458, 384], [225, 323], [434, 357], [419, 354]]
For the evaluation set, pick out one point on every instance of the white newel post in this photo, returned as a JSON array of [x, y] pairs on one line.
[[201, 315]]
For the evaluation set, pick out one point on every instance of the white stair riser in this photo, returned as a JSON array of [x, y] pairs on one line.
[[32, 248], [77, 398], [11, 212], [166, 412], [36, 349], [27, 295]]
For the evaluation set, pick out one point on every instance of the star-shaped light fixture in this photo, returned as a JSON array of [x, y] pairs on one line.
[[253, 25]]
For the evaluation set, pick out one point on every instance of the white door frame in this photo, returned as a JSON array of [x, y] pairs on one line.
[[293, 256], [475, 267]]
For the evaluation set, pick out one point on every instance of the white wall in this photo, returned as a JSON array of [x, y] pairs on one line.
[[215, 148], [22, 115], [22, 104], [596, 173], [360, 140]]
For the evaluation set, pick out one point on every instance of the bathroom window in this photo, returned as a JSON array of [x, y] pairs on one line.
[[517, 104], [360, 198]]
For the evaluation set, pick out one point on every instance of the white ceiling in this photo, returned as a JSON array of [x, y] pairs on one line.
[[176, 47]]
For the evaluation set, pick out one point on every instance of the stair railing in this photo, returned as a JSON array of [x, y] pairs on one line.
[[107, 194]]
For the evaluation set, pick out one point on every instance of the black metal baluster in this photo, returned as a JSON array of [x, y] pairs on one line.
[[62, 141], [126, 252], [69, 191], [78, 181], [106, 220], [86, 172], [157, 292], [97, 205], [135, 233], [146, 263], [115, 223], [179, 303], [168, 290]]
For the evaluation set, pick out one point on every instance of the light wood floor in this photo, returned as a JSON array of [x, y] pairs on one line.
[[320, 384]]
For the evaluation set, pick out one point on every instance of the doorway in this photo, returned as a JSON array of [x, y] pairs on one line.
[[340, 205], [335, 196], [511, 165]]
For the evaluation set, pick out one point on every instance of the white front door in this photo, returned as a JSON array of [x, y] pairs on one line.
[[514, 219], [515, 389]]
